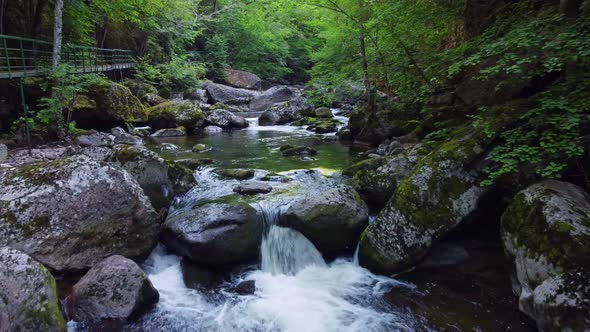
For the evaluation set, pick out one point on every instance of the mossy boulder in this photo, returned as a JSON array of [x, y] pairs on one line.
[[237, 173], [28, 295], [71, 213], [115, 288], [377, 179], [332, 220], [546, 230], [115, 106], [226, 120], [160, 179], [139, 89], [301, 151], [324, 112], [175, 113], [440, 192], [214, 233]]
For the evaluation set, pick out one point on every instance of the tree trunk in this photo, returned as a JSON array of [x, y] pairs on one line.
[[57, 32], [364, 62]]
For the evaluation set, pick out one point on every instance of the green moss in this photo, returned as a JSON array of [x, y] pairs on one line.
[[526, 224], [48, 316], [174, 113]]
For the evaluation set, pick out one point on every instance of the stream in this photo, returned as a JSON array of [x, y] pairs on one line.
[[296, 289]]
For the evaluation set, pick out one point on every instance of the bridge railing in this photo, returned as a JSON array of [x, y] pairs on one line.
[[21, 57]]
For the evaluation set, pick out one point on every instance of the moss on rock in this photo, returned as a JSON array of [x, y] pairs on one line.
[[171, 114]]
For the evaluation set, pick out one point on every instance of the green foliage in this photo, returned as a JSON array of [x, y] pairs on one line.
[[65, 85], [177, 75], [217, 57]]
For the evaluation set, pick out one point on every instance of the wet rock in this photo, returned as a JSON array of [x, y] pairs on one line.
[[273, 177], [3, 152], [323, 112], [345, 135], [114, 105], [213, 129], [252, 188], [152, 99], [270, 97], [96, 139], [376, 181], [546, 230], [199, 148], [219, 93], [331, 220], [121, 137], [562, 303], [194, 164], [286, 112], [226, 120], [28, 295], [115, 288], [214, 234], [199, 95], [170, 132], [144, 131], [175, 113], [161, 180], [242, 79], [290, 151], [237, 173], [247, 287], [69, 214], [439, 194], [389, 148]]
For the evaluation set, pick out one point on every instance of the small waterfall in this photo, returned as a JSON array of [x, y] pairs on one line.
[[284, 250]]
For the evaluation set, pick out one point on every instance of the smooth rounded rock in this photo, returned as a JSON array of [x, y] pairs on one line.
[[252, 188]]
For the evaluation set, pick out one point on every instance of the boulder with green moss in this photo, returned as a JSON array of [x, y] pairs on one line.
[[214, 233], [160, 179], [28, 295], [115, 288], [377, 179], [175, 113], [332, 220], [440, 193], [71, 213], [546, 230], [115, 105]]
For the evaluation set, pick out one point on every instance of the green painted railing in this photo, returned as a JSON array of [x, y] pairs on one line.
[[22, 57]]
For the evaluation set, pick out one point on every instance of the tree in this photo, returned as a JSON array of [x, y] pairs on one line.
[[57, 33]]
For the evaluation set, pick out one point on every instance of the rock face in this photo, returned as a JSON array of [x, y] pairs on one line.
[[232, 96], [3, 153], [114, 105], [161, 180], [252, 188], [226, 120], [170, 132], [69, 214], [242, 79], [96, 139], [332, 220], [378, 178], [175, 113], [115, 288], [28, 295], [546, 230], [270, 97], [214, 234], [437, 195]]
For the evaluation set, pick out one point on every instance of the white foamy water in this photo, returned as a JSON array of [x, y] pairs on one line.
[[295, 291]]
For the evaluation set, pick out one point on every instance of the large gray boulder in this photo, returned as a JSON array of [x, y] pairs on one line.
[[115, 288], [214, 234], [546, 230], [440, 193], [378, 178], [332, 220], [242, 79], [161, 180], [226, 120], [71, 213], [270, 97], [219, 93], [28, 295]]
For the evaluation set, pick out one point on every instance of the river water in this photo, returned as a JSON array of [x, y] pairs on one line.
[[296, 289]]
